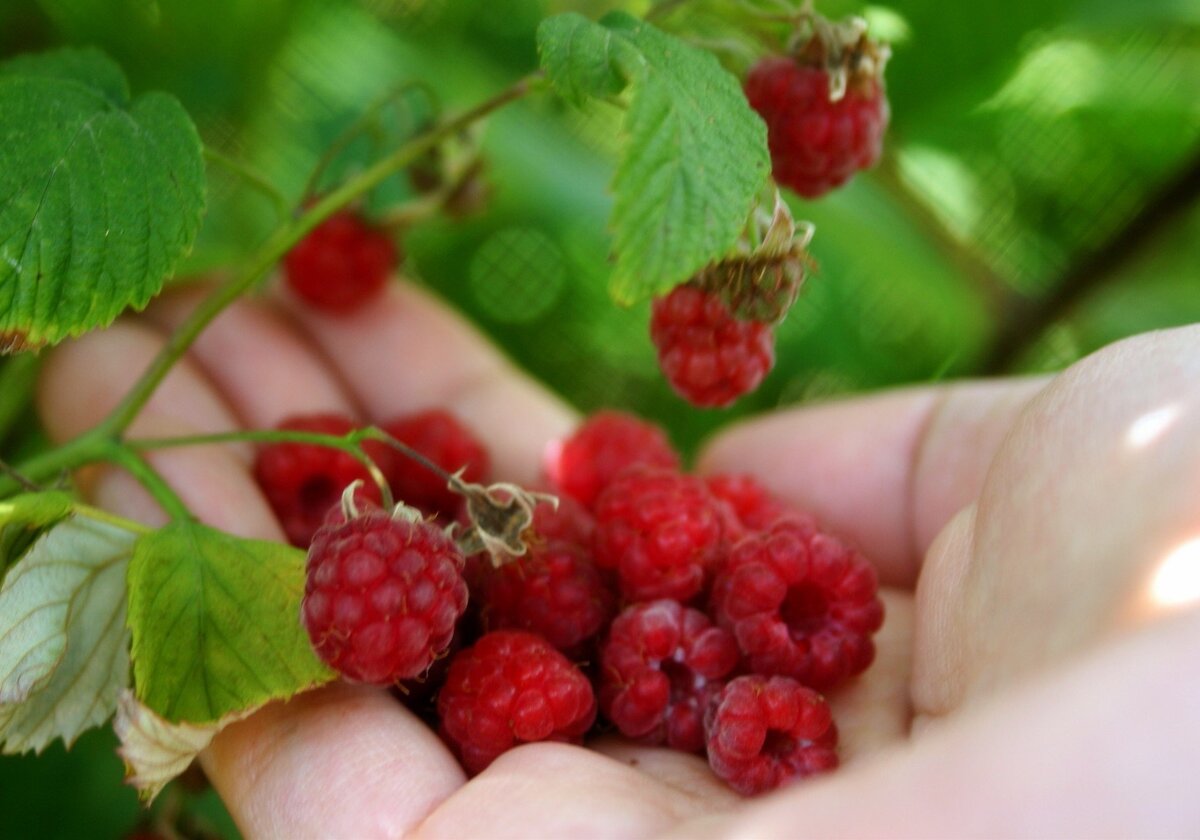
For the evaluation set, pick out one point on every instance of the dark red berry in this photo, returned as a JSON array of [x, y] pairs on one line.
[[604, 445], [709, 357], [816, 144], [445, 441], [766, 731], [303, 482], [660, 666], [382, 595], [342, 263], [554, 590], [568, 522], [800, 604], [753, 505], [512, 688], [661, 531]]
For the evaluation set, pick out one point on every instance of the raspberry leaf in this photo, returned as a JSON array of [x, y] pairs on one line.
[[215, 621], [695, 155], [64, 648], [100, 195], [26, 517]]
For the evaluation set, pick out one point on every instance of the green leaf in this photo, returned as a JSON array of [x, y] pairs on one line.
[[64, 648], [100, 195], [216, 623], [695, 157], [24, 518]]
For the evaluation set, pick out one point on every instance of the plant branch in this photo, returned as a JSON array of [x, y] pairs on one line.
[[1027, 320], [990, 286], [142, 470]]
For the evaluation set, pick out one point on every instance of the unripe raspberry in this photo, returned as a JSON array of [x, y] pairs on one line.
[[512, 688], [382, 595], [766, 731], [341, 263], [709, 357]]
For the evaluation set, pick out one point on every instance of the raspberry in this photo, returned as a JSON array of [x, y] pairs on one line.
[[765, 731], [662, 531], [381, 596], [341, 264], [303, 482], [660, 666], [709, 357], [554, 590], [512, 688], [753, 506], [816, 144], [570, 522], [800, 604], [604, 445], [441, 438]]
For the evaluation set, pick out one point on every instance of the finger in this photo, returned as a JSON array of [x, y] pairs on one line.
[[886, 472], [1084, 527], [407, 351], [294, 752], [553, 790], [257, 359], [1058, 757]]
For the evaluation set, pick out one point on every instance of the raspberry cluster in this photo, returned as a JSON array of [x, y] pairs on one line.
[[701, 614]]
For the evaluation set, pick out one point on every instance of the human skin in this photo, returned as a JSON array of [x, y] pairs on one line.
[[1033, 677]]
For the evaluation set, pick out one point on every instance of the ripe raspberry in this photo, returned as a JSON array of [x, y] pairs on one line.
[[753, 506], [765, 731], [341, 264], [571, 522], [512, 688], [709, 357], [303, 482], [381, 596], [660, 666], [816, 144], [800, 604], [441, 438], [604, 445], [554, 590], [662, 531]]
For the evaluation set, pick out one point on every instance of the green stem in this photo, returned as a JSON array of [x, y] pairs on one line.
[[148, 477], [251, 176], [88, 448]]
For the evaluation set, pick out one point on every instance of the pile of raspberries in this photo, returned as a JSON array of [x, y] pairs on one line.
[[698, 613]]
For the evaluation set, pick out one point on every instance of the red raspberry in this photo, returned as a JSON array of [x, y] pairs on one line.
[[816, 144], [660, 666], [606, 443], [382, 595], [766, 731], [709, 357], [441, 438], [343, 262], [512, 688], [554, 590], [662, 531], [800, 604], [570, 522], [753, 506], [303, 482]]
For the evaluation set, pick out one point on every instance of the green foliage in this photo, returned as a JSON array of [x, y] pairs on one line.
[[103, 195], [216, 623], [695, 157], [26, 517], [64, 648]]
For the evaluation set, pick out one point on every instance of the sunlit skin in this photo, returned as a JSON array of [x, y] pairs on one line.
[[1026, 682]]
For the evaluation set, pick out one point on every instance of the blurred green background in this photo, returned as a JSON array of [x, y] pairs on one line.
[[1037, 201]]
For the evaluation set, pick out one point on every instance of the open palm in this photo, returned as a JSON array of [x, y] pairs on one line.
[[1034, 675]]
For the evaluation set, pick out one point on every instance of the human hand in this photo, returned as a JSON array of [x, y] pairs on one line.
[[889, 472]]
